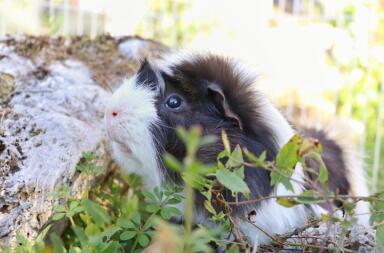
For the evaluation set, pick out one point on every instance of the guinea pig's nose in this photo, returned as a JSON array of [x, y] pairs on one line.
[[113, 113]]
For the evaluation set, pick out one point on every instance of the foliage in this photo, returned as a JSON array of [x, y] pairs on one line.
[[168, 22], [360, 97], [119, 216]]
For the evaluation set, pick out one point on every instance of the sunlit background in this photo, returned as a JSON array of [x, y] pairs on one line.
[[317, 59]]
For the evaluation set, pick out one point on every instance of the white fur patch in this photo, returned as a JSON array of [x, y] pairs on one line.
[[132, 142]]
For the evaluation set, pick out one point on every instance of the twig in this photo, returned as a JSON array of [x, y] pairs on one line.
[[363, 198], [259, 228]]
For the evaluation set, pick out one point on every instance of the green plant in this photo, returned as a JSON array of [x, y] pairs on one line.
[[118, 216]]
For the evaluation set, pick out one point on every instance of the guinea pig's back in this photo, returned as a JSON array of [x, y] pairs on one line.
[[344, 164]]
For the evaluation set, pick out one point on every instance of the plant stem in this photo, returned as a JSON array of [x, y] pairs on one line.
[[319, 198], [72, 222], [148, 222], [134, 245], [188, 215]]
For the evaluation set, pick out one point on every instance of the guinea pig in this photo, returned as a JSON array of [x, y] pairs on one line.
[[216, 93]]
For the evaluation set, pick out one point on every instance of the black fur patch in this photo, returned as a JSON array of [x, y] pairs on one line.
[[190, 80], [333, 159], [146, 75]]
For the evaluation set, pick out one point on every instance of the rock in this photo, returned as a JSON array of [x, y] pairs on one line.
[[334, 237], [52, 97]]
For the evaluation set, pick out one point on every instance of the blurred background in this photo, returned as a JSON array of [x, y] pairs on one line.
[[317, 59]]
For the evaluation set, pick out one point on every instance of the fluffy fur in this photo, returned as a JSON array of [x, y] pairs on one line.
[[133, 145], [216, 93]]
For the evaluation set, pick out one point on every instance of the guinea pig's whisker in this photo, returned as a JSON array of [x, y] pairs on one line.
[[219, 125], [167, 126]]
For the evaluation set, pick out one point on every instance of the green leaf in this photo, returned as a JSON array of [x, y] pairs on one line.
[[263, 156], [143, 240], [91, 229], [77, 209], [232, 181], [112, 247], [286, 160], [43, 234], [240, 172], [109, 232], [208, 139], [165, 214], [23, 241], [286, 202], [288, 155], [323, 172], [191, 138], [236, 157], [173, 210], [98, 214], [74, 204], [233, 249], [89, 156], [158, 193], [127, 235], [81, 167], [207, 169], [309, 197], [207, 194], [152, 208], [380, 235], [173, 201], [58, 216], [96, 170], [172, 163], [125, 223], [278, 178], [136, 218], [149, 196], [59, 209], [57, 243], [223, 154], [258, 161], [209, 207], [79, 232], [74, 250]]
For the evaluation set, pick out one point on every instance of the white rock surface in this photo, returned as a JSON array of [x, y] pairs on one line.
[[49, 124], [53, 113], [333, 236]]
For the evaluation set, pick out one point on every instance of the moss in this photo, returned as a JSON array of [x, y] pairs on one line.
[[107, 64]]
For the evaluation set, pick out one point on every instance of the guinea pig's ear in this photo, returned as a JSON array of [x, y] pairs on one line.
[[221, 101], [147, 75]]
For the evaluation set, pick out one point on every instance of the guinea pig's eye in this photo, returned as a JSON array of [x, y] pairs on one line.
[[173, 102]]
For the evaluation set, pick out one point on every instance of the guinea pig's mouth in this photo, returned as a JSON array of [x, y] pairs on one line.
[[123, 148]]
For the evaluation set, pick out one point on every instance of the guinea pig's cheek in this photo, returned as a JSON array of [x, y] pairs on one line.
[[126, 160]]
